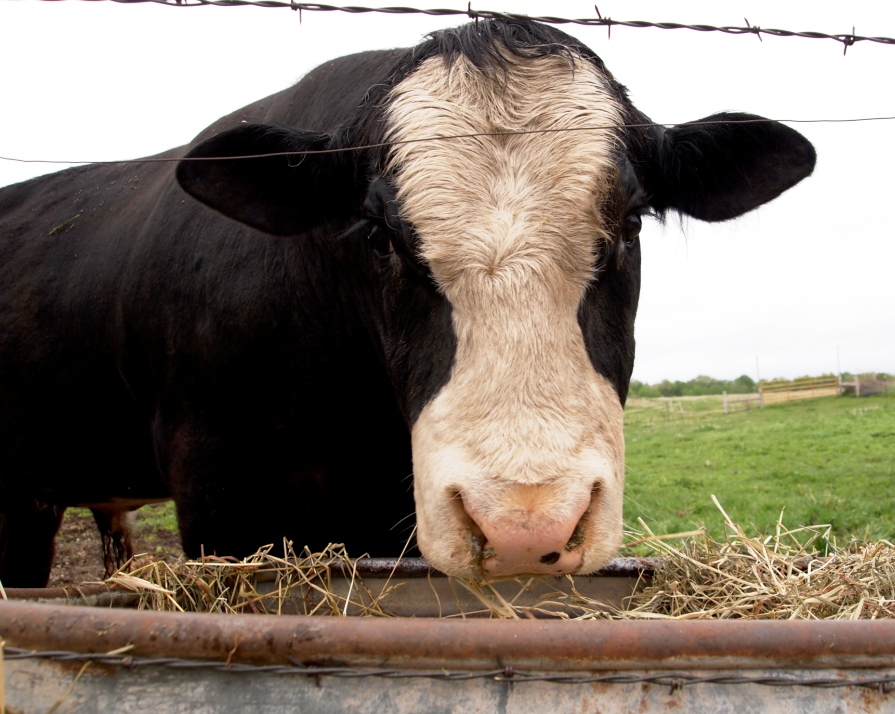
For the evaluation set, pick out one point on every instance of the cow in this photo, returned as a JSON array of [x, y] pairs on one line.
[[405, 285]]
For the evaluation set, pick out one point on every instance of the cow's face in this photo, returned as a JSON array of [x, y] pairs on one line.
[[519, 456], [506, 276]]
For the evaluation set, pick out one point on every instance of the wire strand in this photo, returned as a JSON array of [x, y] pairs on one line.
[[450, 137], [846, 39], [883, 682]]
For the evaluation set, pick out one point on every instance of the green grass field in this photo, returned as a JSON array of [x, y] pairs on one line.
[[825, 461]]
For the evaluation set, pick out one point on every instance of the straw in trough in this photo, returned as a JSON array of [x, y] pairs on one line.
[[790, 574]]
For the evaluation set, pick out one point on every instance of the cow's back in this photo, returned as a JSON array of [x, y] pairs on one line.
[[322, 99]]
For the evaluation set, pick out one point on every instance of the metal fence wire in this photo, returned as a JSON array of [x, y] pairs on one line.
[[447, 137], [883, 683], [846, 39]]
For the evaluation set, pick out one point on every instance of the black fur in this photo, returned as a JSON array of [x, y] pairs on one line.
[[726, 164]]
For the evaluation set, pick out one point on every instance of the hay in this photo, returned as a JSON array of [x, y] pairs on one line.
[[784, 576], [227, 585], [791, 574]]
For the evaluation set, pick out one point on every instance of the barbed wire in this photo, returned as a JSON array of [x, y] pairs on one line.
[[846, 39], [449, 137], [884, 683]]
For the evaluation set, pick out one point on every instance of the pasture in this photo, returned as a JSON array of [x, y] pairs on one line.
[[824, 461]]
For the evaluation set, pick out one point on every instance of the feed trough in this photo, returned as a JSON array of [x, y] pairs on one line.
[[61, 652]]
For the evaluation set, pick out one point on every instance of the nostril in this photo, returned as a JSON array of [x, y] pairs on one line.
[[525, 532], [579, 535], [462, 514], [476, 536]]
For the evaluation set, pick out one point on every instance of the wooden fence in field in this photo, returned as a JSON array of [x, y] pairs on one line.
[[788, 391], [742, 401]]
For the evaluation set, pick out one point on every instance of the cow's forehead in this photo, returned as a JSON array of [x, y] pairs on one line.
[[493, 208]]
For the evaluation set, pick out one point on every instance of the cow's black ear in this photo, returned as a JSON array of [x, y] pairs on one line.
[[284, 194], [722, 166]]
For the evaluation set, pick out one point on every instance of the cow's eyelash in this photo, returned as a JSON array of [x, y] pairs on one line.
[[358, 227], [645, 211]]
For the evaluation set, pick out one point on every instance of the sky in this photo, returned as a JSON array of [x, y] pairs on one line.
[[802, 286]]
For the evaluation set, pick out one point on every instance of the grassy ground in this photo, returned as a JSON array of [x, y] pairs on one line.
[[829, 460]]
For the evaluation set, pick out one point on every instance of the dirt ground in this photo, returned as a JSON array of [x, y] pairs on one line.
[[79, 556]]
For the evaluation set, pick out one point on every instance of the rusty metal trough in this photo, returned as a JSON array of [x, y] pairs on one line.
[[102, 659]]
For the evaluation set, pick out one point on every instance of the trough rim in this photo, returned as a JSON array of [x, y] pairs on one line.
[[427, 643]]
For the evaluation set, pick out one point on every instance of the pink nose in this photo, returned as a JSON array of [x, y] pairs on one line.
[[530, 548]]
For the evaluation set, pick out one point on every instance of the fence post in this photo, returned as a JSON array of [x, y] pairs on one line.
[[857, 386], [725, 402], [760, 396]]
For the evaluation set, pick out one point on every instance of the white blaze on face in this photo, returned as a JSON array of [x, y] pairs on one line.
[[525, 430]]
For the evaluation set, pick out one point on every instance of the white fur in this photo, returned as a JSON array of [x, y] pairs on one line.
[[510, 227]]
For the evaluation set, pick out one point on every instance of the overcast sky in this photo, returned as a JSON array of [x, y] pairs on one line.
[[782, 288]]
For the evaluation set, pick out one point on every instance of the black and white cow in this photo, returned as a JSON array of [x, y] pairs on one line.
[[371, 303]]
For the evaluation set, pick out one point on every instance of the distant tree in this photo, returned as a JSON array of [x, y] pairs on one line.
[[635, 388], [670, 389], [744, 384], [643, 390], [648, 392]]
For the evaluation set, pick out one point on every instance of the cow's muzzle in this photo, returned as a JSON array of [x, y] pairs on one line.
[[536, 537]]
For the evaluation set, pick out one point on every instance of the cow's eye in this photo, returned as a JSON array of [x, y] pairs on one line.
[[633, 224], [380, 241]]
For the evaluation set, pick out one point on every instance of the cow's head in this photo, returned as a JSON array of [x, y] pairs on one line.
[[515, 248]]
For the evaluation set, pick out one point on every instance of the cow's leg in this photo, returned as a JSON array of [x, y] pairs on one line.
[[27, 532], [114, 528], [235, 488], [238, 511]]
